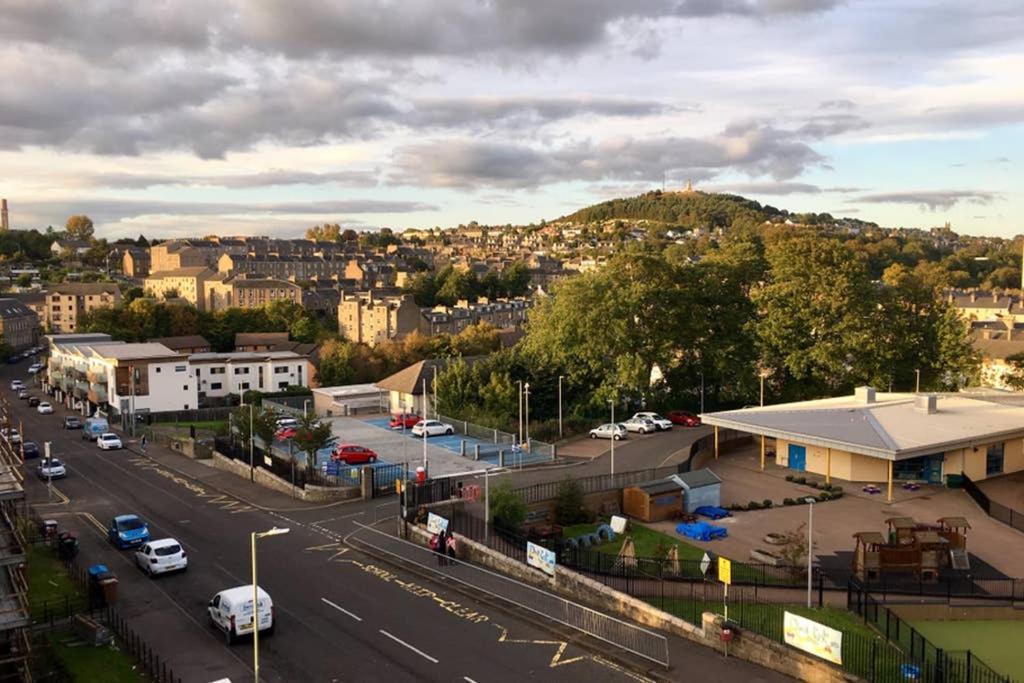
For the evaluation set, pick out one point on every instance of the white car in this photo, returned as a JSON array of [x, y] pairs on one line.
[[432, 428], [34, 368], [109, 441], [161, 556], [17, 385], [51, 469], [44, 408], [231, 612], [13, 436], [640, 424], [660, 422], [608, 431], [288, 423]]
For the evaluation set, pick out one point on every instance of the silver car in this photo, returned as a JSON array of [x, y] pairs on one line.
[[608, 431], [640, 425]]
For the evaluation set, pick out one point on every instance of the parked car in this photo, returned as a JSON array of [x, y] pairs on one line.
[[44, 408], [161, 556], [287, 423], [109, 441], [70, 422], [30, 449], [660, 422], [23, 394], [128, 531], [51, 469], [33, 401], [684, 418], [403, 421], [12, 436], [231, 612], [432, 428], [17, 385], [608, 431], [34, 368], [285, 433], [640, 424], [351, 454]]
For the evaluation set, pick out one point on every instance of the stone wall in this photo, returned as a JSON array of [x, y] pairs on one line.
[[267, 479]]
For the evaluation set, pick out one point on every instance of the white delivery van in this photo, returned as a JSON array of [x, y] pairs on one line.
[[231, 612]]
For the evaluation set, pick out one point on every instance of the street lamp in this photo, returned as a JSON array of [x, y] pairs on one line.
[[252, 466], [810, 545], [612, 402], [917, 381], [520, 382], [526, 394], [256, 601], [560, 406]]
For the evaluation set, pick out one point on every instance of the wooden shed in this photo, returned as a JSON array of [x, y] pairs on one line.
[[653, 501]]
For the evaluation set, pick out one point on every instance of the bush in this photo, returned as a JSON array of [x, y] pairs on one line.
[[800, 480], [825, 496], [753, 505], [837, 494], [569, 508], [789, 477], [837, 489], [788, 501], [507, 509], [766, 503]]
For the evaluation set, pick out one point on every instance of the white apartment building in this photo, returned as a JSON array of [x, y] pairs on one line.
[[220, 374], [119, 377]]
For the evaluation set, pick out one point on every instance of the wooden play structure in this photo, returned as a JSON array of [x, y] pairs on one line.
[[912, 547]]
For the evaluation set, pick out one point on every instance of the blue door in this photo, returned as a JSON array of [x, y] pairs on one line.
[[797, 457]]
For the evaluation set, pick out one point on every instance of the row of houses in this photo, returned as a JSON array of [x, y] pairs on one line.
[[154, 377]]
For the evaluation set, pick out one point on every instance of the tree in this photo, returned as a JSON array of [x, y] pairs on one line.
[[311, 436], [507, 508], [336, 364], [79, 228], [569, 507], [476, 340], [328, 232], [263, 424], [515, 280], [305, 330], [24, 280], [1015, 377]]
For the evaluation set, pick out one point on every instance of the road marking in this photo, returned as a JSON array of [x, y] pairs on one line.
[[556, 659], [421, 653], [468, 679], [333, 519], [341, 609], [95, 522]]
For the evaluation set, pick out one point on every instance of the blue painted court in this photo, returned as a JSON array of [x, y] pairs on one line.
[[488, 449]]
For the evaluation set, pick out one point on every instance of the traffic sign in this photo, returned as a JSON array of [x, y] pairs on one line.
[[724, 571], [705, 564]]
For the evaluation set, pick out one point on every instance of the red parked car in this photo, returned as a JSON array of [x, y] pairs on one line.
[[684, 418], [406, 420], [350, 454], [286, 433]]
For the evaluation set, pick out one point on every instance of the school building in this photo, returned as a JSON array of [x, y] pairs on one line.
[[887, 437]]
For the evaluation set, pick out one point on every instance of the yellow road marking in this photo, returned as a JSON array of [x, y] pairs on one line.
[[63, 499], [556, 659], [92, 520]]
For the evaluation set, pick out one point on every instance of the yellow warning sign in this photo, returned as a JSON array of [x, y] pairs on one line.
[[724, 570]]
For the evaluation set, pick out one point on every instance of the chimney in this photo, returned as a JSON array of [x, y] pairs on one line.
[[926, 403], [4, 221], [865, 395]]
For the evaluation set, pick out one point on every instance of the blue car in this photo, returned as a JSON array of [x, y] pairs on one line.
[[128, 531]]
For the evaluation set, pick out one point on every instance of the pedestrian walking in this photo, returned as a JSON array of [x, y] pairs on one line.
[[142, 443], [439, 547], [451, 548]]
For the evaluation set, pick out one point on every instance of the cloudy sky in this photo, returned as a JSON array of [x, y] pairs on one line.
[[267, 116]]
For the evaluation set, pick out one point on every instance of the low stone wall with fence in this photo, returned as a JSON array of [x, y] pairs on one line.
[[267, 479]]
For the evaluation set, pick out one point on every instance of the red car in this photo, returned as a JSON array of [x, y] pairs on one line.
[[684, 418], [350, 454], [286, 433], [406, 420]]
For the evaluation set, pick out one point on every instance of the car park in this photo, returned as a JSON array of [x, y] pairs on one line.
[[683, 418], [351, 454], [231, 611], [30, 450], [109, 441], [45, 408], [403, 420], [640, 424], [161, 556], [128, 531], [659, 422], [608, 431], [70, 422], [432, 428], [51, 469]]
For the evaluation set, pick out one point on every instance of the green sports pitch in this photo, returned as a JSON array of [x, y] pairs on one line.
[[998, 643]]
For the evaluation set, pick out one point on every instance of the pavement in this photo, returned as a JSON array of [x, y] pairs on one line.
[[342, 614]]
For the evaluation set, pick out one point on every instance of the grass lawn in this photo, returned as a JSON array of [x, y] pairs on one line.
[[998, 643], [645, 541], [206, 425], [47, 580], [108, 664]]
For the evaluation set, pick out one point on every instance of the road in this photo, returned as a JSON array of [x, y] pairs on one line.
[[342, 615]]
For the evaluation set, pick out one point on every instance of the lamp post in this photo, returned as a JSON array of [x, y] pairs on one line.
[[425, 432], [256, 601], [917, 381], [252, 464], [612, 402], [526, 394], [810, 545], [762, 390], [520, 411], [560, 406], [702, 392]]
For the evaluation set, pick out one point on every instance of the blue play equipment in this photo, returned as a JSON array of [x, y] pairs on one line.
[[701, 531], [712, 512], [605, 533]]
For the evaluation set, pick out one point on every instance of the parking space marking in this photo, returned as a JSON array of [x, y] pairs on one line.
[[341, 609], [398, 640]]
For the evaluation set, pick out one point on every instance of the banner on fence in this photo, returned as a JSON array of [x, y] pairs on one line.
[[436, 523], [540, 557], [812, 637]]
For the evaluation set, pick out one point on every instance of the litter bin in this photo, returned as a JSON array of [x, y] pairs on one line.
[[102, 585], [108, 587], [67, 545], [49, 529]]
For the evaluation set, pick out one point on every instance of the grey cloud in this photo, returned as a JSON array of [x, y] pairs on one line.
[[931, 200], [846, 190], [756, 150], [819, 127], [271, 178], [527, 111], [838, 104], [768, 188]]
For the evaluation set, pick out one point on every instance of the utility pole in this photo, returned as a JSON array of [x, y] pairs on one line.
[[520, 411], [917, 381], [613, 436], [424, 435], [560, 406], [526, 394]]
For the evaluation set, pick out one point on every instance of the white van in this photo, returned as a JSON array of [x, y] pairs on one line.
[[231, 611]]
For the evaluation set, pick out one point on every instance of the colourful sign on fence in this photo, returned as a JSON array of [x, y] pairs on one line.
[[540, 557], [810, 636], [436, 523]]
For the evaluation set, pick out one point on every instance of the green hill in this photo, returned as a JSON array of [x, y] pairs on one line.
[[683, 209]]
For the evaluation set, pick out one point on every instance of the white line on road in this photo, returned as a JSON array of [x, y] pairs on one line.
[[468, 679], [421, 653], [341, 609]]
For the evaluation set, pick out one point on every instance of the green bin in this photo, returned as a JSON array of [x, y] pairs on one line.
[[954, 481]]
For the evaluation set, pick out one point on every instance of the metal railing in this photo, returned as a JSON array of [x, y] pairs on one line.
[[495, 440], [629, 637], [997, 511], [596, 484]]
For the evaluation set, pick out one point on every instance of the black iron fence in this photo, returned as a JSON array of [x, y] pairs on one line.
[[997, 511], [536, 493], [928, 662], [151, 663]]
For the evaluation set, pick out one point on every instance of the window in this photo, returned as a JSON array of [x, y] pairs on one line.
[[994, 459], [280, 370], [243, 385], [282, 385], [241, 371], [185, 387], [158, 369], [215, 386], [180, 368]]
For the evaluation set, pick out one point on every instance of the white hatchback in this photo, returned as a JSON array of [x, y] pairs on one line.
[[109, 442], [432, 428], [161, 556], [661, 423], [44, 408]]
